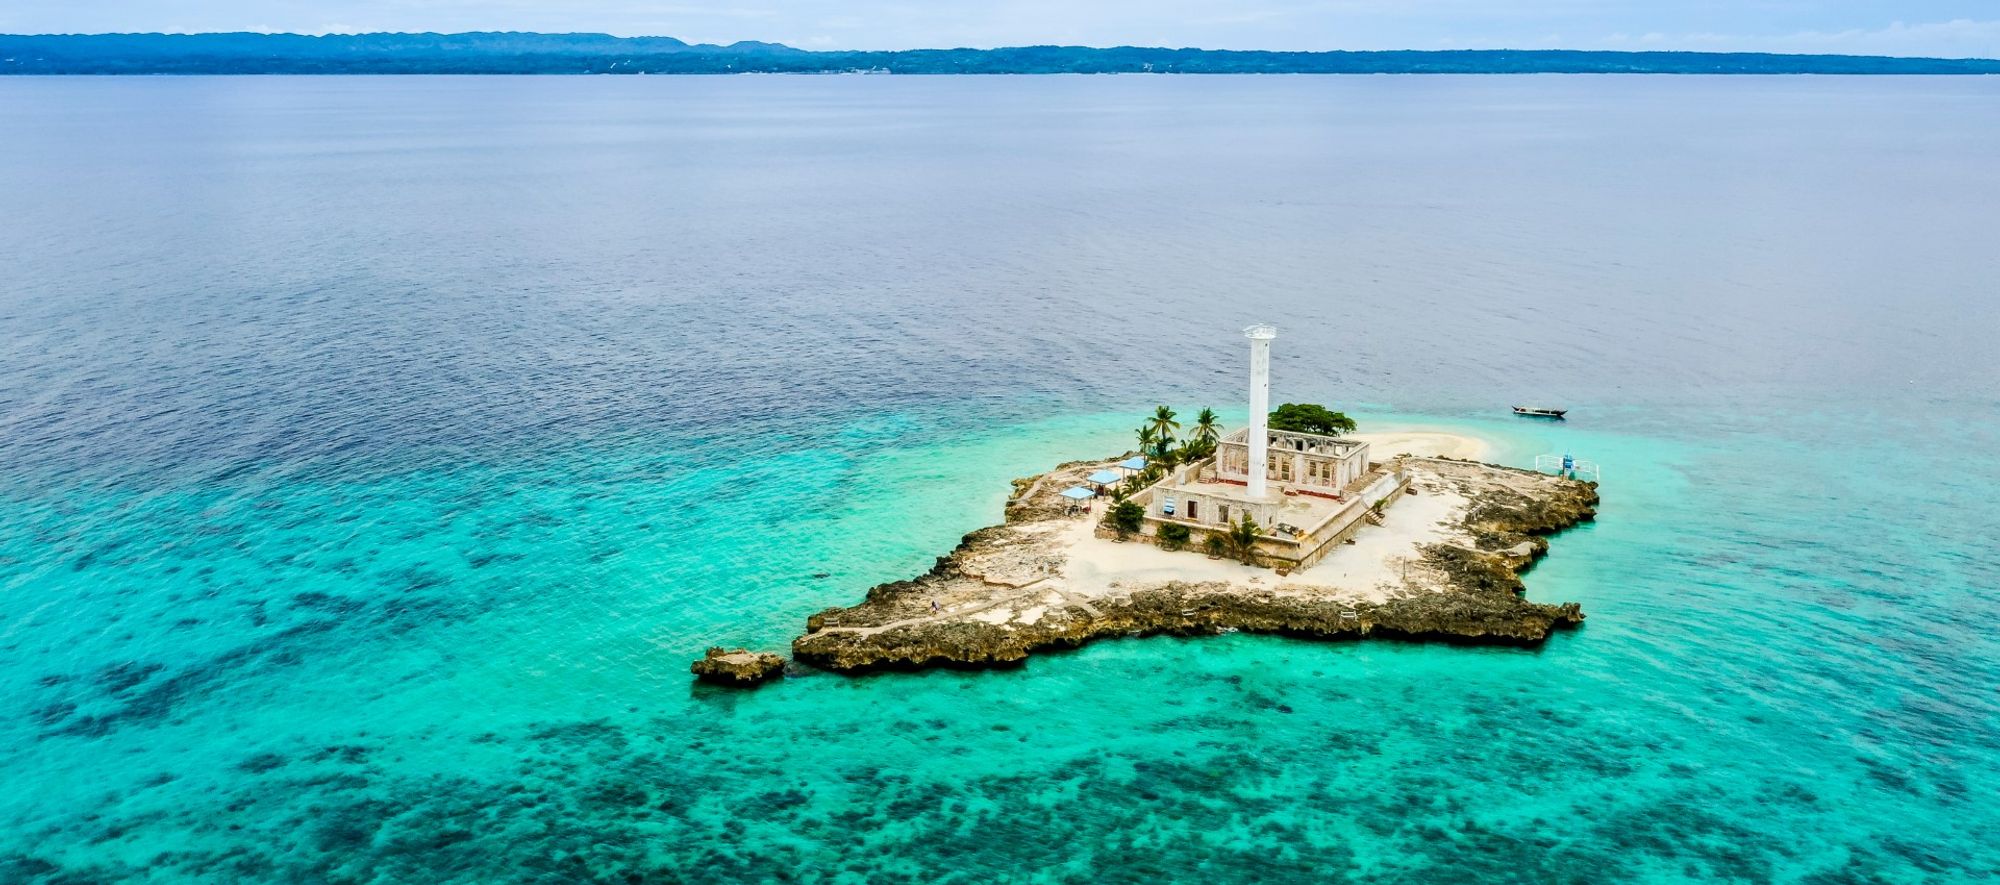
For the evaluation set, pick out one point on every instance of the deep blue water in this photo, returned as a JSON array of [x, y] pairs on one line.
[[376, 453]]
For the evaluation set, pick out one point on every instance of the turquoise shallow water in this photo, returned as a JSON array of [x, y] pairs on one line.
[[358, 524], [480, 673]]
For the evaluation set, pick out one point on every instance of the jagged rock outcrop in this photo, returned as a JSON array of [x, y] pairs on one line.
[[737, 666], [1502, 515], [1485, 618]]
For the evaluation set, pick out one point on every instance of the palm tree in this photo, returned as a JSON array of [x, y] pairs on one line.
[[1163, 424], [1201, 443], [1207, 428], [1140, 480], [1243, 539], [1147, 438]]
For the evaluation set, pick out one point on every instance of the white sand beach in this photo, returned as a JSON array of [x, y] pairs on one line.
[[1425, 444]]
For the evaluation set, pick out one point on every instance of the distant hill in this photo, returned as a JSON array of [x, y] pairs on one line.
[[530, 53]]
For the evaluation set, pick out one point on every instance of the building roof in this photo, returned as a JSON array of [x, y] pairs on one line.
[[1103, 476], [1078, 493]]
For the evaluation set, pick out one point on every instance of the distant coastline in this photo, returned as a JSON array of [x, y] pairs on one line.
[[534, 53]]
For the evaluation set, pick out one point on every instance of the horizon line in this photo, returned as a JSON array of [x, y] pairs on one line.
[[327, 34]]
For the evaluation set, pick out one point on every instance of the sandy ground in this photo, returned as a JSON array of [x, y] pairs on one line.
[[1424, 444], [1372, 568]]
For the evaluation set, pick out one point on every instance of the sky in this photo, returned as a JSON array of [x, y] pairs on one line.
[[1948, 28]]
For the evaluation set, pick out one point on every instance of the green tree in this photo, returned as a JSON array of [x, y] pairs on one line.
[[1148, 438], [1173, 535], [1201, 442], [1126, 517], [1243, 540], [1217, 544], [1207, 428], [1163, 424], [1310, 418]]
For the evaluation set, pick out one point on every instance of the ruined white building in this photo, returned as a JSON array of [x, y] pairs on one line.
[[1312, 492]]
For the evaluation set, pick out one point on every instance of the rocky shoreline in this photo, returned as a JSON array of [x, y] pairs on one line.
[[1467, 591]]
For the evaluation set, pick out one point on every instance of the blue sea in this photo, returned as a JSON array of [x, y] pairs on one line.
[[376, 454]]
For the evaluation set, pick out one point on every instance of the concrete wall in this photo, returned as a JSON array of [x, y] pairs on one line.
[[1345, 524]]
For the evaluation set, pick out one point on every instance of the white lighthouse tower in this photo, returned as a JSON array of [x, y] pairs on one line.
[[1259, 437]]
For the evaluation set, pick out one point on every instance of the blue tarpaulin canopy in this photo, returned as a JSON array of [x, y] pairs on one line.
[[1078, 493], [1135, 462], [1102, 477]]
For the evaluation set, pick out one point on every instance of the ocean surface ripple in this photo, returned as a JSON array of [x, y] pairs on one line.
[[375, 453]]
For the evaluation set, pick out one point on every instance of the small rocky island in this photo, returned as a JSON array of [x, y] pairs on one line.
[[1317, 540], [1432, 550], [737, 666]]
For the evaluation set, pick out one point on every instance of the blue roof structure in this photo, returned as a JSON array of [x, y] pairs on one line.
[[1136, 462], [1078, 493], [1102, 477]]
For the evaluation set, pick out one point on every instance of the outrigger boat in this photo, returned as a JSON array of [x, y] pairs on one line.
[[1535, 412]]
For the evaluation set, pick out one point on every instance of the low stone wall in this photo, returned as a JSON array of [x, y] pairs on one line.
[[1356, 519]]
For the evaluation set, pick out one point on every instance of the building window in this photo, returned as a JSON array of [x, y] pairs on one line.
[[1194, 511]]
